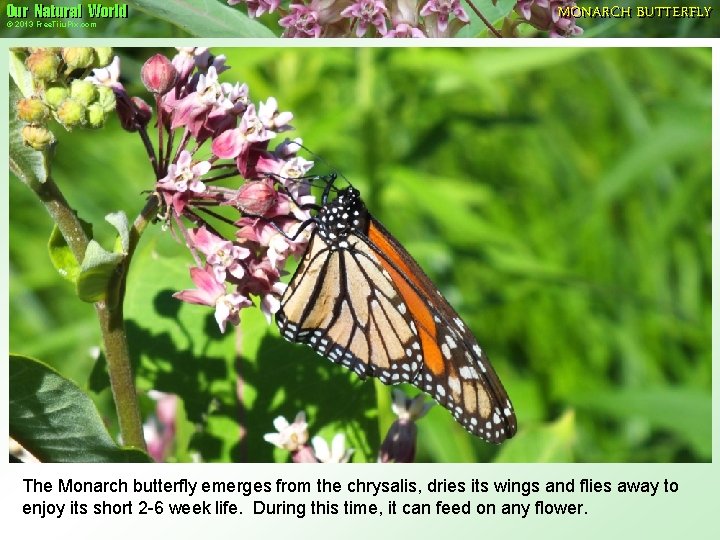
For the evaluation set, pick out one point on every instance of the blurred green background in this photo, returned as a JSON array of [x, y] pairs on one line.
[[656, 26], [214, 18], [560, 198]]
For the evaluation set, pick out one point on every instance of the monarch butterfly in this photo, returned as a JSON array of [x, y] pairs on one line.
[[359, 299]]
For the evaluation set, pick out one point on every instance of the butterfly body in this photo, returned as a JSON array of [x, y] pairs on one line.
[[359, 299]]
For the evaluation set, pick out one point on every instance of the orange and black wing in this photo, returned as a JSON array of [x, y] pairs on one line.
[[359, 299]]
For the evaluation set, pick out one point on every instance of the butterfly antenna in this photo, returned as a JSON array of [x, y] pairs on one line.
[[322, 160]]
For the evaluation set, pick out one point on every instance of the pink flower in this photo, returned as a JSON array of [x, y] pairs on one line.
[[252, 260], [184, 176], [256, 8], [545, 15], [442, 9], [212, 293], [183, 181], [234, 142], [192, 110], [222, 256], [303, 22], [404, 30], [273, 119], [184, 60], [264, 281], [367, 13]]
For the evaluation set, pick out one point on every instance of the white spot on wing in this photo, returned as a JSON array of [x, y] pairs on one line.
[[468, 372], [454, 384]]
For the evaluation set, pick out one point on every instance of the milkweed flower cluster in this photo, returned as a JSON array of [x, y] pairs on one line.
[[363, 18], [209, 133], [60, 92], [405, 18], [547, 15]]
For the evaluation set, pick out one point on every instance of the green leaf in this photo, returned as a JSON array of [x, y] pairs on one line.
[[56, 421], [96, 271], [671, 143], [204, 18], [684, 411], [120, 221], [30, 166], [177, 348], [493, 12], [550, 443], [62, 256], [20, 74]]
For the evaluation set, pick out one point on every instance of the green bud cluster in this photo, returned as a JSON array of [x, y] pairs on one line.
[[61, 92]]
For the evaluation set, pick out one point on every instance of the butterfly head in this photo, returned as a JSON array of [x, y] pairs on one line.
[[342, 216]]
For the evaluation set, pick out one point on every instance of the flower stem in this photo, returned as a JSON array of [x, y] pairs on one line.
[[121, 378], [484, 19], [111, 319]]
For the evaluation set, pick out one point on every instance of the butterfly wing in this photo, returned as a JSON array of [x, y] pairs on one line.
[[341, 304], [359, 299], [455, 370]]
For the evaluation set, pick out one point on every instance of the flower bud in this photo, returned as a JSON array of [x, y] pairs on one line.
[[95, 116], [32, 110], [538, 16], [106, 98], [144, 111], [55, 95], [158, 74], [255, 197], [133, 112], [103, 56], [37, 137], [71, 113], [126, 113], [83, 92], [78, 57], [43, 64], [399, 443]]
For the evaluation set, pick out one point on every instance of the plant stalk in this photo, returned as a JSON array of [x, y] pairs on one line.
[[111, 319]]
